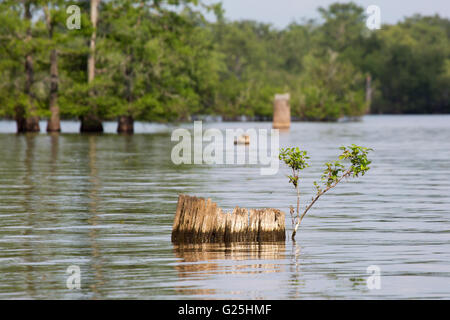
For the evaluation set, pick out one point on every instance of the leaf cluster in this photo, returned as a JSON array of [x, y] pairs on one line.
[[295, 159]]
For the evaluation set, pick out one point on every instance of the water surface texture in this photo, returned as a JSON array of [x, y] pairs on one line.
[[106, 203]]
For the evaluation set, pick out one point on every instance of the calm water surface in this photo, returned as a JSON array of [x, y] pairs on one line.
[[106, 203]]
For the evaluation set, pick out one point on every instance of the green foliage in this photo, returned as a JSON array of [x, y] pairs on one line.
[[159, 61], [358, 158], [295, 159], [333, 174], [336, 171], [411, 66]]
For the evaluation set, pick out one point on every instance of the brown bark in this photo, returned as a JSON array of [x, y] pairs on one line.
[[200, 221], [91, 57], [91, 121], [126, 125], [28, 120], [53, 124]]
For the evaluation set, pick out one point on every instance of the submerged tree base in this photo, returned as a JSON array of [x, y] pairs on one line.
[[28, 124], [126, 125], [200, 221], [91, 124]]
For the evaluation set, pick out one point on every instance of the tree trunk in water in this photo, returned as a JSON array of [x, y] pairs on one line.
[[91, 122], [20, 118], [28, 121], [53, 124], [31, 119], [126, 125], [126, 122]]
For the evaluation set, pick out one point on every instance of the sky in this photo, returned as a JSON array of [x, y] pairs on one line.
[[281, 12]]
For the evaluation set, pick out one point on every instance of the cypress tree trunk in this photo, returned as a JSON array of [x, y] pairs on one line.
[[28, 121], [91, 56], [126, 125], [91, 122], [20, 118], [53, 124], [126, 122], [31, 119]]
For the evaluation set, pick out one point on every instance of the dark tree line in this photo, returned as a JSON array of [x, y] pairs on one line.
[[157, 60]]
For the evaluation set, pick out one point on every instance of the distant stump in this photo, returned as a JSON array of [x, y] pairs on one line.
[[281, 112]]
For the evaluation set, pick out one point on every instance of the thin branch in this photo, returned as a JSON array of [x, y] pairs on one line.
[[346, 174]]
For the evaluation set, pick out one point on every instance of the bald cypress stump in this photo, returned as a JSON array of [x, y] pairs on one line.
[[282, 112], [200, 221]]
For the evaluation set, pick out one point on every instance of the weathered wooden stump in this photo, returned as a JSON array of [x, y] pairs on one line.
[[200, 221], [281, 112]]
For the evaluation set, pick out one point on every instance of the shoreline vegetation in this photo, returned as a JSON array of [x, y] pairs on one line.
[[144, 60]]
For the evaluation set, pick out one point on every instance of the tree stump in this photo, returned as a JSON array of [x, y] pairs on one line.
[[281, 112], [200, 221]]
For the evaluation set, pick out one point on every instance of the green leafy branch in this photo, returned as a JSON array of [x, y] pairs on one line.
[[334, 173]]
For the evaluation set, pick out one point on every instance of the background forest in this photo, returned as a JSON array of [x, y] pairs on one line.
[[162, 61]]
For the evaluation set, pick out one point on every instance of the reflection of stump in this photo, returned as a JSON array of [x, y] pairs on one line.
[[281, 112], [201, 221], [208, 257]]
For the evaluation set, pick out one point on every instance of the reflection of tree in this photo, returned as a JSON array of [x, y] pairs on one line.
[[53, 187], [29, 222], [54, 149], [96, 258]]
